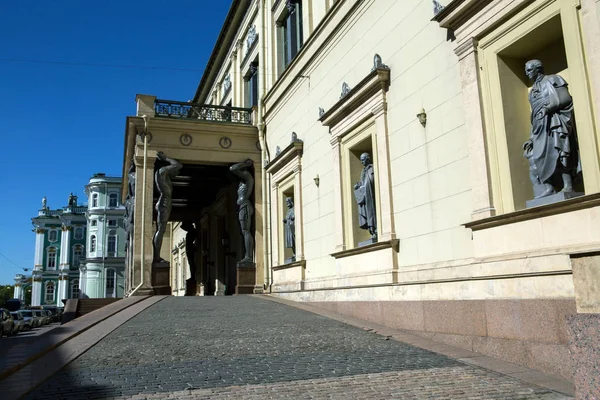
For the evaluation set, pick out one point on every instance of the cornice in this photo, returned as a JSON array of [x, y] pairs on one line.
[[455, 14], [377, 80], [293, 150]]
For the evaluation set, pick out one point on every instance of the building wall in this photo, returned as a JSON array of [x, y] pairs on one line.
[[461, 242]]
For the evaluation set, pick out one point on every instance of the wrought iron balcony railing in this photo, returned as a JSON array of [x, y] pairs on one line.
[[204, 112]]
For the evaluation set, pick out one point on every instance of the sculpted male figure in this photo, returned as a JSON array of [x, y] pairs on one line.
[[163, 179], [190, 247], [245, 208], [130, 203], [290, 226], [364, 192], [551, 149]]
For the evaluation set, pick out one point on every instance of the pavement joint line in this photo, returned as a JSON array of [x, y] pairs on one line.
[[492, 364], [68, 336], [38, 371]]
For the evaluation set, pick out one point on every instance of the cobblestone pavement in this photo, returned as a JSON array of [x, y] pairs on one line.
[[246, 347]]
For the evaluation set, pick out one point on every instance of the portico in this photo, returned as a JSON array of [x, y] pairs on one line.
[[206, 140]]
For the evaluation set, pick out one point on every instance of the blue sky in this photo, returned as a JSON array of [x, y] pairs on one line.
[[62, 123]]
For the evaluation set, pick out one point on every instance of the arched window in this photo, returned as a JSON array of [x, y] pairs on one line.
[[49, 292], [77, 255], [95, 200], [51, 262], [111, 280], [92, 243], [53, 236], [75, 289], [78, 233], [113, 200]]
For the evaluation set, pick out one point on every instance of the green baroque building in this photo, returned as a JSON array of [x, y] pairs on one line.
[[79, 249]]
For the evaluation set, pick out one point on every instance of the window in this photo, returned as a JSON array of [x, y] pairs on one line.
[[290, 33], [112, 222], [53, 236], [112, 245], [75, 289], [111, 277], [113, 200], [93, 243], [251, 86], [77, 255], [49, 292], [95, 200], [78, 233], [51, 258], [94, 222]]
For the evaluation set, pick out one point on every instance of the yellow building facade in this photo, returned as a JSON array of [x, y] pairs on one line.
[[439, 99]]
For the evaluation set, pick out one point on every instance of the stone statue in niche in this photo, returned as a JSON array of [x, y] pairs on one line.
[[289, 223], [163, 178], [245, 208], [552, 149], [364, 192], [190, 248]]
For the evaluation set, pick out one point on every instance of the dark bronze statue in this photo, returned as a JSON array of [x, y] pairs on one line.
[[552, 148], [289, 223], [364, 192], [190, 247], [163, 179], [245, 207], [129, 208]]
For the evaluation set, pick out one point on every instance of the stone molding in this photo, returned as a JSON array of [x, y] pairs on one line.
[[301, 263], [388, 244], [577, 203], [376, 81], [294, 150]]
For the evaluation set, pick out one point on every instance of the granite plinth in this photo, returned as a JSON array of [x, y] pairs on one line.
[[246, 279], [555, 198], [367, 242], [160, 278], [584, 346]]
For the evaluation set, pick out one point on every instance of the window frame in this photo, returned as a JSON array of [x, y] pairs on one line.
[[93, 243], [79, 233], [49, 284], [112, 196], [290, 33], [110, 273], [111, 240], [75, 284], [54, 252], [94, 200]]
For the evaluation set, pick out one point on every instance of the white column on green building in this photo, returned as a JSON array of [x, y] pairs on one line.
[[65, 251], [38, 258], [36, 291]]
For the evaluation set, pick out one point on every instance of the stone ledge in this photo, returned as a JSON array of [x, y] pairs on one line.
[[388, 244], [301, 263], [575, 204]]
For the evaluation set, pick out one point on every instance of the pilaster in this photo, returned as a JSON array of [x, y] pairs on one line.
[[143, 254]]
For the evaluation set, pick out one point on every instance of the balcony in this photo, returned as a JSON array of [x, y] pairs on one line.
[[189, 111]]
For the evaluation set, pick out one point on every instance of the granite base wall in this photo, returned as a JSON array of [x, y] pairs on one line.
[[531, 333], [584, 344]]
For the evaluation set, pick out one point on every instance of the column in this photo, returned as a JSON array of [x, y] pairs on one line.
[[36, 290], [63, 267], [590, 21], [478, 161], [339, 241], [384, 175], [298, 205], [38, 258], [142, 256], [259, 239]]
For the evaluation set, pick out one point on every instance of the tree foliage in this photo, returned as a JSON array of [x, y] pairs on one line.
[[6, 293]]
